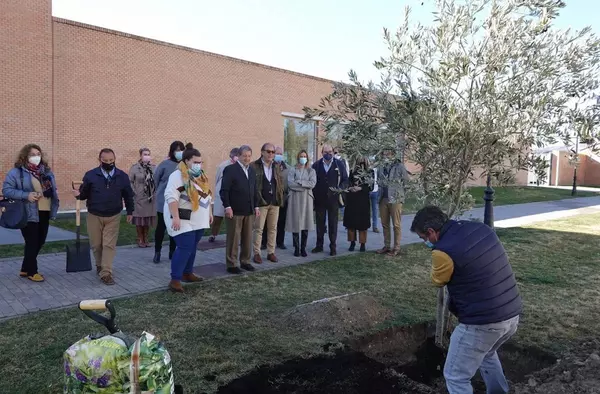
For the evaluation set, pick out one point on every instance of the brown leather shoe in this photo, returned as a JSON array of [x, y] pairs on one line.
[[189, 278], [393, 253], [383, 250], [272, 258], [175, 286], [107, 280], [257, 259]]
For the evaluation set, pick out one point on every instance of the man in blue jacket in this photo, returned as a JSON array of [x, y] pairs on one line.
[[105, 188], [470, 260]]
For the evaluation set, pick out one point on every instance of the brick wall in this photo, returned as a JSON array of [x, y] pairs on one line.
[[591, 175], [25, 78], [125, 92]]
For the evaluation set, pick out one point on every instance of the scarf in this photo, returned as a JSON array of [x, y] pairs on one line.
[[41, 174], [200, 181], [149, 186]]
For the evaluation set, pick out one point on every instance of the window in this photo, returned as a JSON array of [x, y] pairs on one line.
[[299, 134]]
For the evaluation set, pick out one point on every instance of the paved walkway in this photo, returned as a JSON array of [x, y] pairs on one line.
[[135, 273], [14, 237]]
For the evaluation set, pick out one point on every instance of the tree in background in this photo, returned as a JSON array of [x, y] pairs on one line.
[[478, 88]]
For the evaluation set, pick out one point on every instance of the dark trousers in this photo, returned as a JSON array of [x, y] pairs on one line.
[[185, 253], [331, 211], [159, 235], [280, 228], [34, 235]]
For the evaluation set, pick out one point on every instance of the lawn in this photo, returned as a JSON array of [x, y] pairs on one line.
[[503, 196], [222, 329]]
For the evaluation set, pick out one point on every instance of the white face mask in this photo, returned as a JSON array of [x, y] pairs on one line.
[[35, 160], [338, 157]]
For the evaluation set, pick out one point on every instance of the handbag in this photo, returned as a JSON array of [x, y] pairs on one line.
[[184, 214], [14, 212]]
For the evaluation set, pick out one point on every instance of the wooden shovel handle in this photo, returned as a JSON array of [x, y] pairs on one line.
[[76, 185]]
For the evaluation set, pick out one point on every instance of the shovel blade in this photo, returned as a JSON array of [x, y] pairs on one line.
[[78, 257]]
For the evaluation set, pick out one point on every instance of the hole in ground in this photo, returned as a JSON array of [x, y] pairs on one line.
[[398, 360]]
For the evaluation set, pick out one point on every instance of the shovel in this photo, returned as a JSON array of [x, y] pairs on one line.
[[442, 318], [78, 255]]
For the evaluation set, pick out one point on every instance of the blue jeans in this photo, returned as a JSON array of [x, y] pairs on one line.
[[185, 253], [474, 347], [374, 196]]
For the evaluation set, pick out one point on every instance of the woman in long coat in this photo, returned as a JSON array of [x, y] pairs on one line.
[[302, 178], [357, 215], [141, 176]]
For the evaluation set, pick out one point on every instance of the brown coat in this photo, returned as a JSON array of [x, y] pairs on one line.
[[279, 188], [143, 206]]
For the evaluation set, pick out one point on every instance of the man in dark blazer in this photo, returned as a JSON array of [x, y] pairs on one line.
[[331, 172], [238, 193]]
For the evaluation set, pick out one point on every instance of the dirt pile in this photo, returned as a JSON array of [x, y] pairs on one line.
[[578, 372], [342, 316]]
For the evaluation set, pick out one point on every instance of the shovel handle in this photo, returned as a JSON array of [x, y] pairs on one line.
[[89, 306], [75, 185], [93, 305]]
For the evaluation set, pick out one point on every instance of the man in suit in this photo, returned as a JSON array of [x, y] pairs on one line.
[[331, 172], [238, 193], [269, 192], [284, 169]]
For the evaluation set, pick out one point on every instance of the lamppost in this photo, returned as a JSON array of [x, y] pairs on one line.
[[488, 197], [575, 164]]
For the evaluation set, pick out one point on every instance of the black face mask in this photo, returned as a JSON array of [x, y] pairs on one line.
[[108, 167]]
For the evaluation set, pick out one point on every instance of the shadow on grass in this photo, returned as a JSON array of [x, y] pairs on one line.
[[223, 329]]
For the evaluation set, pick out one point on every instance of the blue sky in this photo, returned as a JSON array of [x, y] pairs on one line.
[[325, 38]]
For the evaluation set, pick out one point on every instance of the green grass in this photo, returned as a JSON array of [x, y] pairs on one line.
[[227, 327]]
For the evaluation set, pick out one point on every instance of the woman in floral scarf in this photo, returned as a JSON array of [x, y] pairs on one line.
[[187, 213], [141, 176], [32, 181]]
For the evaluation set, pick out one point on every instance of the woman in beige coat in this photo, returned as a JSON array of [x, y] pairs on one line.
[[300, 218], [141, 176]]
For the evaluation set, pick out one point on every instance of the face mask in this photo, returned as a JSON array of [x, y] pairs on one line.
[[303, 160], [278, 158], [35, 160], [327, 156], [338, 157], [429, 244], [146, 159], [108, 167], [196, 169], [179, 155]]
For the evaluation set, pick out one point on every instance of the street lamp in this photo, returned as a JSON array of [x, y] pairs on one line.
[[488, 197]]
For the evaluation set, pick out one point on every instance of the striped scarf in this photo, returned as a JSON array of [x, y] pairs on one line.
[[193, 193]]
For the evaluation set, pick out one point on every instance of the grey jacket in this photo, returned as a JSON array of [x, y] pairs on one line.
[[161, 178], [13, 189], [396, 180]]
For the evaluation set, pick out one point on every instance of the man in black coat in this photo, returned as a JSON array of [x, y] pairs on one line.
[[331, 172], [238, 193]]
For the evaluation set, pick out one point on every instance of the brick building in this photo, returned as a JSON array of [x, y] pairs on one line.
[[74, 89]]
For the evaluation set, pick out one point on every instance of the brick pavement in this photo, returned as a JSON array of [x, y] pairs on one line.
[[135, 273]]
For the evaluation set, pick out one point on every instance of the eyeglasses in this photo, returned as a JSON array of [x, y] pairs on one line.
[[271, 152]]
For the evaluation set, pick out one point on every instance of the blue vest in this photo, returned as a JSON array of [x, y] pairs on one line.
[[483, 288]]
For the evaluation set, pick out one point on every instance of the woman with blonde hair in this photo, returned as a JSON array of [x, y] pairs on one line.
[[141, 176], [300, 216], [32, 181], [187, 213]]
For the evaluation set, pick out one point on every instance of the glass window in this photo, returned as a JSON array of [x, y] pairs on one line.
[[299, 134]]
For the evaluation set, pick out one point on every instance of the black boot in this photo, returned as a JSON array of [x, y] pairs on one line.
[[296, 241], [156, 258], [352, 246], [363, 248], [303, 244]]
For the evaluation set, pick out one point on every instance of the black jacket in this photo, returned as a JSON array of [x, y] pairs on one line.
[[335, 177], [105, 198], [237, 191]]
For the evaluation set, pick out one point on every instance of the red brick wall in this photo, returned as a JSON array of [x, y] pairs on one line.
[[125, 92], [591, 176], [25, 78]]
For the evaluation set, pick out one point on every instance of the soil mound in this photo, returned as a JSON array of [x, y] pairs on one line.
[[342, 315], [578, 372]]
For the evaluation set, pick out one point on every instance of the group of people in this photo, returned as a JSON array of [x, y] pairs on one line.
[[259, 200], [264, 197]]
